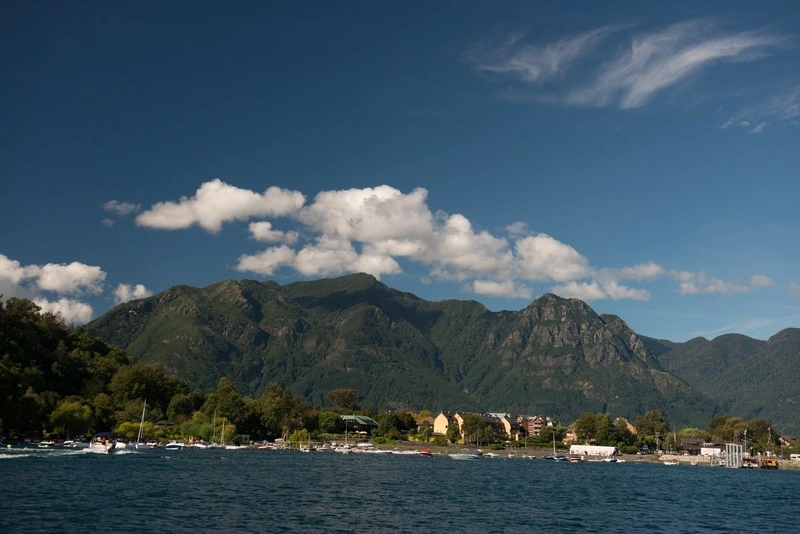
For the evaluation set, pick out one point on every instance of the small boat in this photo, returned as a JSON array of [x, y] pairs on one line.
[[46, 444], [426, 452], [477, 455], [671, 462], [70, 444], [175, 445], [102, 443]]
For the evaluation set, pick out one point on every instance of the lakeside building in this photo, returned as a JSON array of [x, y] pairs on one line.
[[359, 423], [508, 427]]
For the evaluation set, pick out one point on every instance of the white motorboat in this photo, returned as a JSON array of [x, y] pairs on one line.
[[102, 443]]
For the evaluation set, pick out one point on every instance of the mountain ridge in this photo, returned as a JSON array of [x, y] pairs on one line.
[[556, 356]]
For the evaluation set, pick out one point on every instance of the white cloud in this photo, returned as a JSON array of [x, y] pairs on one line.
[[372, 229], [263, 231], [268, 261], [505, 288], [760, 280], [11, 271], [794, 289], [533, 64], [779, 108], [617, 291], [34, 281], [126, 292], [370, 214], [72, 311], [631, 77], [518, 229], [642, 271], [543, 258], [660, 60], [595, 290], [698, 283], [580, 290], [121, 208], [67, 279], [216, 202]]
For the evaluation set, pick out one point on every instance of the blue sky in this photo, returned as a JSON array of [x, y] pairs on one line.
[[643, 158]]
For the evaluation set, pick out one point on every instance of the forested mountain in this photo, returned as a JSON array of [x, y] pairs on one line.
[[556, 357], [746, 377]]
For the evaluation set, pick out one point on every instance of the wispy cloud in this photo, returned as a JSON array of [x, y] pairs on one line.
[[779, 108], [530, 63], [630, 77], [121, 208]]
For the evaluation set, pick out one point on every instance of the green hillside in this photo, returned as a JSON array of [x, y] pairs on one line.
[[745, 376], [556, 357]]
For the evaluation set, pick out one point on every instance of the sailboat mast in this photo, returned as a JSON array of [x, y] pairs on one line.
[[141, 425]]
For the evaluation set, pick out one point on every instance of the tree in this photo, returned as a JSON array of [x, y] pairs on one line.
[[453, 433], [586, 427], [475, 429], [652, 424], [330, 423], [344, 399], [71, 417]]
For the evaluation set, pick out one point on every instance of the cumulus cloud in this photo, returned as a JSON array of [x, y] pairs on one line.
[[631, 76], [580, 290], [374, 229], [34, 282], [121, 208], [543, 258], [505, 288], [595, 290], [263, 231], [215, 203], [73, 311], [127, 292]]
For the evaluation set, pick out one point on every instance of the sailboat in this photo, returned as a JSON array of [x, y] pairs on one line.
[[555, 456], [140, 437]]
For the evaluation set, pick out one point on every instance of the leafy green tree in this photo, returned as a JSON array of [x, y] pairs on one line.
[[71, 417], [453, 433], [586, 427], [652, 424], [475, 429], [181, 407], [299, 435], [330, 423]]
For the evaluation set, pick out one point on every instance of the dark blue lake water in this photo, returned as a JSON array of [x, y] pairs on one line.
[[268, 491]]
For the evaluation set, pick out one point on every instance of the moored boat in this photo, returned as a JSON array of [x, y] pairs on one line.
[[477, 455]]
